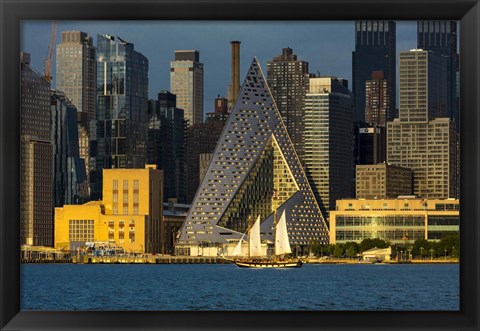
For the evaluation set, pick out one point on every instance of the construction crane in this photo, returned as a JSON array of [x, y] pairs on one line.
[[47, 64]]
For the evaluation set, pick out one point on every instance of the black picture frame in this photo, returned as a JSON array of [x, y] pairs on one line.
[[13, 12]]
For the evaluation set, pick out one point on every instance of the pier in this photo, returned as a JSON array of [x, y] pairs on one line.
[[147, 259]]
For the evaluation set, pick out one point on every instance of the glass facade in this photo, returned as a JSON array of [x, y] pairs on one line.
[[166, 143], [122, 101], [441, 37], [374, 51], [70, 177], [398, 221]]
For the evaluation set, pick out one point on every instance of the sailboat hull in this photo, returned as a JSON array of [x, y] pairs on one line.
[[269, 264]]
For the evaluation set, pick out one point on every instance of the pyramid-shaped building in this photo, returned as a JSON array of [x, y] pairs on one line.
[[254, 171]]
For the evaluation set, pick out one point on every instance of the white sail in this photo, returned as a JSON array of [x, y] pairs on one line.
[[282, 244], [255, 248], [238, 249]]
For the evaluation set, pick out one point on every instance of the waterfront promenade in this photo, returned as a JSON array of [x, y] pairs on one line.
[[169, 259]]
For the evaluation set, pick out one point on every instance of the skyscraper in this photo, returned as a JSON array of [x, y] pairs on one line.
[[36, 168], [374, 50], [254, 171], [119, 135], [186, 82], [76, 76], [441, 38], [420, 138], [70, 184], [76, 71], [377, 100], [166, 144], [329, 146], [287, 79]]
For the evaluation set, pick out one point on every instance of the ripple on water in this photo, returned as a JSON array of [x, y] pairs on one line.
[[226, 287]]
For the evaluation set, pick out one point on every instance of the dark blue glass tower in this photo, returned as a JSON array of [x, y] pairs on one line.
[[166, 143], [441, 38], [119, 134], [374, 51], [69, 176]]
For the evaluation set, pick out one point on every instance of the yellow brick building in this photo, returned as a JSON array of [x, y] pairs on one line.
[[129, 216]]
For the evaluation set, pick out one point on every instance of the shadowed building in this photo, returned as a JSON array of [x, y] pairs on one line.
[[76, 76], [382, 181], [253, 172], [287, 79], [377, 100], [370, 143], [441, 38], [166, 143], [329, 162], [36, 154], [70, 184], [374, 50]]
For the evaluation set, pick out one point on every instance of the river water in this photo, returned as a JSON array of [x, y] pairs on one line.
[[227, 287]]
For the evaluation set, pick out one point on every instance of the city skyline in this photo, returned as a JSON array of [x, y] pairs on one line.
[[330, 54]]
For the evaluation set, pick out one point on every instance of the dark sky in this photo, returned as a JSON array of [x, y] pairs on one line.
[[327, 46]]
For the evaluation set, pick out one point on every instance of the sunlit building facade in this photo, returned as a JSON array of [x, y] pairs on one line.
[[420, 138], [129, 216], [398, 221], [186, 82], [254, 171]]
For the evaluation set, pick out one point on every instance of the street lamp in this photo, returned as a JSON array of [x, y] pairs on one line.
[[421, 252], [445, 253], [431, 252]]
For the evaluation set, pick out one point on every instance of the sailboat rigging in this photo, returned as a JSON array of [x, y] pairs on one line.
[[256, 258]]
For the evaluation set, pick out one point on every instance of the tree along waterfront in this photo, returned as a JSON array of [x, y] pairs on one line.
[[448, 246]]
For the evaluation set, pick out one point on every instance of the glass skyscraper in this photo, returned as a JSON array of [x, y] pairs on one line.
[[70, 178], [441, 38], [119, 133], [166, 143], [374, 51]]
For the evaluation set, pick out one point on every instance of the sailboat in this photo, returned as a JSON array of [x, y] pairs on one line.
[[256, 259]]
